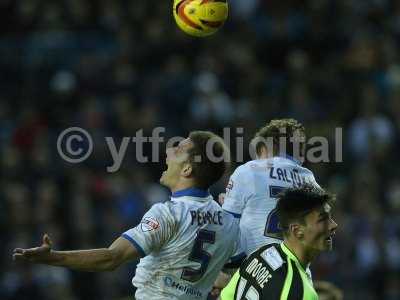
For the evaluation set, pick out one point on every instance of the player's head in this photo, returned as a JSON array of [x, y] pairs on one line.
[[280, 137], [305, 217], [198, 161]]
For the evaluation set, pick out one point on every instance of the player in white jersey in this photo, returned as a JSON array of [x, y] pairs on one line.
[[251, 194], [183, 243]]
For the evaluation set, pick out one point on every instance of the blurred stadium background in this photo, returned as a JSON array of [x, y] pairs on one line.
[[114, 67]]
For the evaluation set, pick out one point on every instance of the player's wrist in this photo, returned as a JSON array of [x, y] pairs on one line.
[[54, 258]]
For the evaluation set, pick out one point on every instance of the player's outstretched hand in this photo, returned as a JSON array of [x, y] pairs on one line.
[[221, 198], [41, 254]]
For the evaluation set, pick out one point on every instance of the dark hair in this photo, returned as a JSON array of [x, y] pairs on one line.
[[277, 129], [295, 203], [209, 158]]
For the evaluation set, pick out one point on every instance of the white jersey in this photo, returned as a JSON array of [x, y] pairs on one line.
[[184, 243], [251, 195]]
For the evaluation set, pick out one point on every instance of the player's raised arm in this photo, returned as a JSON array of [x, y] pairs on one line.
[[135, 243], [93, 260]]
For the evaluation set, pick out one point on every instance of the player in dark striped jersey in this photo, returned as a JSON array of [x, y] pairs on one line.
[[281, 271]]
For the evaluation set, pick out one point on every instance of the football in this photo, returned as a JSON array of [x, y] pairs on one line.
[[200, 18]]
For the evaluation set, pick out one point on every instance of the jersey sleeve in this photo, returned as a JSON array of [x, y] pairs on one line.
[[237, 192], [154, 230]]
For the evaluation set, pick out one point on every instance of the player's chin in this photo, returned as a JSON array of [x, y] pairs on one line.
[[162, 178], [327, 244]]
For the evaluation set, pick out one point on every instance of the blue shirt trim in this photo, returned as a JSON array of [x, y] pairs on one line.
[[192, 192], [135, 244], [237, 216]]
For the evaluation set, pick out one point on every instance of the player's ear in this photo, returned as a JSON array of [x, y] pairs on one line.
[[296, 230], [300, 234], [187, 170]]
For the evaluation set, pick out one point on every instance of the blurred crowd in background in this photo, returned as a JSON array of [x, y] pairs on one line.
[[115, 67]]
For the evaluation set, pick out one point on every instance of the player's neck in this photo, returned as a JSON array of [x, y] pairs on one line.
[[303, 256], [265, 155]]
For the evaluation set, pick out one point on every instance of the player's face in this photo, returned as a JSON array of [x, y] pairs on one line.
[[319, 229], [177, 159]]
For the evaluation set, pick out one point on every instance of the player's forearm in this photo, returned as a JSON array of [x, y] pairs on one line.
[[94, 260]]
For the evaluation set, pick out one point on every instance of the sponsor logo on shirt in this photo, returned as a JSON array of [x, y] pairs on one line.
[[272, 258], [149, 224], [187, 289]]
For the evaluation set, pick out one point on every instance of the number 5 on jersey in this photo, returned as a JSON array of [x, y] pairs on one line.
[[199, 255]]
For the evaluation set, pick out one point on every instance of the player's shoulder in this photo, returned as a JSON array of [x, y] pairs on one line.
[[241, 169], [271, 256], [262, 165], [161, 206], [266, 268], [304, 169], [249, 168], [282, 162], [308, 176], [159, 216], [163, 210]]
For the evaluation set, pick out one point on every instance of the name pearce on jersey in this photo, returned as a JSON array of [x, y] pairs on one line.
[[206, 217]]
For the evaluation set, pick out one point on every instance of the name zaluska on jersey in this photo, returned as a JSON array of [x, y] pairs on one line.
[[289, 176]]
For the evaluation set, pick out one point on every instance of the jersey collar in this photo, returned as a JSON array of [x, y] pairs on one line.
[[291, 254], [191, 192]]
